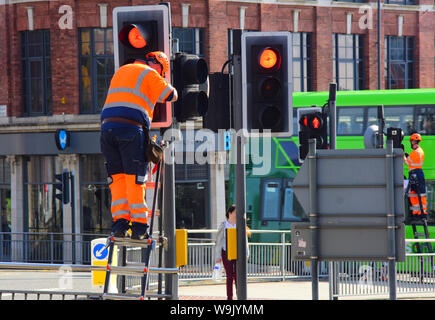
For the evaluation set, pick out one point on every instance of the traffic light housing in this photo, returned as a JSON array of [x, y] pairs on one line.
[[138, 30], [312, 125], [267, 82], [397, 135], [190, 74], [63, 187]]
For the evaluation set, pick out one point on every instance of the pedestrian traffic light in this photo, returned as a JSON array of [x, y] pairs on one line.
[[267, 82], [190, 77], [312, 126], [62, 186], [138, 30]]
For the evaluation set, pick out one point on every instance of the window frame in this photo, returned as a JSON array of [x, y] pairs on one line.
[[45, 75], [357, 61], [93, 76], [388, 62], [305, 42]]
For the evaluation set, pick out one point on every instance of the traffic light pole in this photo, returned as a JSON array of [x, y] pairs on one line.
[[240, 174], [333, 285]]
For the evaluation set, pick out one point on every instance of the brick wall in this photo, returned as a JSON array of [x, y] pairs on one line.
[[216, 16]]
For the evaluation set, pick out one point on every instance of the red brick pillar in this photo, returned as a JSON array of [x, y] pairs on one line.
[[424, 50], [217, 38], [322, 49], [371, 54], [269, 17], [64, 56]]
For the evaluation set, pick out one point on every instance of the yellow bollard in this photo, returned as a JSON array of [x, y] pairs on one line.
[[232, 244], [181, 247]]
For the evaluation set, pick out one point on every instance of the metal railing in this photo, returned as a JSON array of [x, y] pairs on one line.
[[416, 275]]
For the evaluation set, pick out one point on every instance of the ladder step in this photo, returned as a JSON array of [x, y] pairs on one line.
[[139, 271], [133, 243], [127, 270], [419, 235]]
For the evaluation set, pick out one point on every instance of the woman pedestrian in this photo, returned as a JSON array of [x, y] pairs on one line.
[[221, 250]]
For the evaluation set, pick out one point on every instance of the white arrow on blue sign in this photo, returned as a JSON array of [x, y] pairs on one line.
[[100, 251]]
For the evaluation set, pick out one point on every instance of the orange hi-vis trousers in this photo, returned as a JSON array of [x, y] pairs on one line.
[[415, 204], [128, 199], [418, 188]]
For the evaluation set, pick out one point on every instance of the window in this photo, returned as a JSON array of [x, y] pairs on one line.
[[95, 195], [36, 71], [302, 57], [5, 196], [350, 121], [399, 62], [96, 68], [44, 210], [348, 61], [191, 40], [402, 2]]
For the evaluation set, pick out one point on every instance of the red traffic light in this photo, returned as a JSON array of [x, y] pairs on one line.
[[303, 121], [316, 122], [269, 58], [135, 38]]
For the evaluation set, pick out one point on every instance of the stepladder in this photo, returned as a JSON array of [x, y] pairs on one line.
[[417, 220], [143, 269]]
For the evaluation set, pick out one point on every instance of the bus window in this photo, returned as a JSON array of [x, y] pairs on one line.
[[426, 120], [350, 121], [271, 190], [395, 116]]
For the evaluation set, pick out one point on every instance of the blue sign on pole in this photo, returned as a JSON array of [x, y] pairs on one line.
[[227, 136], [100, 251]]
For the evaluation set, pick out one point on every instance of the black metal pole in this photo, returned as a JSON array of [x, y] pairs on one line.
[[239, 171], [379, 44], [313, 219]]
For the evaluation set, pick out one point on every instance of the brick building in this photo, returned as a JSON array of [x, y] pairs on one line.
[[56, 61]]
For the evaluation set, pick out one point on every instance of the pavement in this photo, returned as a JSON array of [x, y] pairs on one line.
[[258, 290]]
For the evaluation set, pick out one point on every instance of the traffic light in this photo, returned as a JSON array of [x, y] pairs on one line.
[[267, 82], [395, 134], [190, 77], [62, 186], [312, 126], [219, 111], [138, 30]]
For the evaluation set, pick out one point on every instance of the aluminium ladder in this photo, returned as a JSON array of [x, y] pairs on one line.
[[144, 270]]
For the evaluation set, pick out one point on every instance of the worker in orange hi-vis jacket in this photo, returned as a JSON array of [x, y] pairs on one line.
[[125, 119], [415, 160]]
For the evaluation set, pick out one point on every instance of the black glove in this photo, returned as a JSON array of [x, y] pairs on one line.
[[406, 154]]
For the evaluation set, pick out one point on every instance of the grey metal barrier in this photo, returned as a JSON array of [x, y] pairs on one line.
[[414, 276]]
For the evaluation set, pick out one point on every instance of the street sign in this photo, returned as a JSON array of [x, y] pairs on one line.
[[356, 200]]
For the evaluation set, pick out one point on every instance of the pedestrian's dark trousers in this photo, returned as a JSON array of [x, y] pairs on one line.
[[230, 271]]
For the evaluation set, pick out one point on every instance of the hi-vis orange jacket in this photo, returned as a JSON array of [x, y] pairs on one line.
[[415, 159], [137, 86]]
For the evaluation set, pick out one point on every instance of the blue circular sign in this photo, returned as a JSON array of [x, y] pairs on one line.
[[100, 251], [62, 139]]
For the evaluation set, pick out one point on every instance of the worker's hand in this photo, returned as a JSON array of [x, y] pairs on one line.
[[406, 155]]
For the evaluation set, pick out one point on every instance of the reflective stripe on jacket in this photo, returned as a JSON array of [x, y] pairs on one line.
[[137, 86], [415, 159]]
